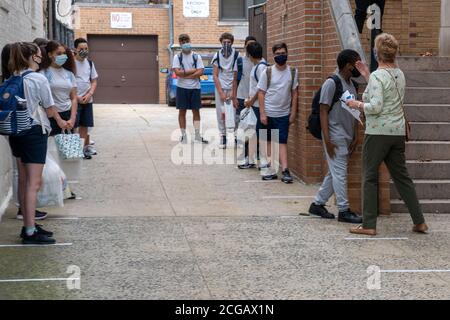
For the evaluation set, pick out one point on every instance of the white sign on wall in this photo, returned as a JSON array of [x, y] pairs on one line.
[[121, 20], [196, 8]]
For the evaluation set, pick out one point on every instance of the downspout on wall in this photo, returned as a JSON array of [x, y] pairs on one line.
[[171, 31]]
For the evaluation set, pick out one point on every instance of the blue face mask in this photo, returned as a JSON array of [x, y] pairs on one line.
[[186, 48], [61, 59]]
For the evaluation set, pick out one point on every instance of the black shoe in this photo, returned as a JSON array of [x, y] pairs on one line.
[[223, 142], [73, 196], [287, 178], [200, 139], [87, 156], [247, 166], [37, 238], [39, 230], [270, 177], [349, 217], [39, 215], [321, 211]]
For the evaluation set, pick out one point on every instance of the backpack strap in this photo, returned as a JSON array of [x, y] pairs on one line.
[[269, 76], [90, 70], [236, 57], [338, 91], [27, 73], [293, 72], [180, 59], [195, 58], [256, 69]]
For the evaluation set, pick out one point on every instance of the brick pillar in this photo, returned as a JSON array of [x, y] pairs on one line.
[[309, 31]]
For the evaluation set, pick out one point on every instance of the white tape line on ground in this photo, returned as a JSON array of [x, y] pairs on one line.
[[288, 197], [34, 245], [38, 280], [62, 218], [392, 238], [415, 271]]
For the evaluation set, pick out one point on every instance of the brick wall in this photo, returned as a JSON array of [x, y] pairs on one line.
[[146, 21], [204, 30]]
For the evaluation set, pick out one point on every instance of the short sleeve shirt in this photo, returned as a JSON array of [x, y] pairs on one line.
[[228, 67], [255, 75], [278, 95], [188, 64], [244, 84], [61, 82], [84, 76]]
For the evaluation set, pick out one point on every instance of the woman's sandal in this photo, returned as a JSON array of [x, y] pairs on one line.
[[360, 230], [420, 228]]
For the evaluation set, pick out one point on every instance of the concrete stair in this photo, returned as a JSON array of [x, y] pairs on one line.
[[427, 104]]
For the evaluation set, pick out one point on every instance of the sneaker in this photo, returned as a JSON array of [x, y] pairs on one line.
[[37, 238], [200, 139], [247, 166], [87, 156], [223, 142], [349, 217], [39, 230], [39, 215], [90, 150], [91, 142], [265, 166], [73, 196], [183, 139], [287, 178], [321, 211], [270, 177]]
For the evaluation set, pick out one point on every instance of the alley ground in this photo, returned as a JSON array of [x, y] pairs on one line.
[[147, 228]]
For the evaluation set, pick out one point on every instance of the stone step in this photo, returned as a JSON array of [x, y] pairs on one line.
[[418, 95], [427, 79], [424, 63], [434, 112], [433, 170], [428, 150], [430, 131], [428, 206], [427, 189]]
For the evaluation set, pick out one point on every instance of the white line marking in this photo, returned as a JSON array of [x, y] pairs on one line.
[[415, 271], [68, 218], [288, 197], [260, 181], [35, 245], [38, 280], [392, 238]]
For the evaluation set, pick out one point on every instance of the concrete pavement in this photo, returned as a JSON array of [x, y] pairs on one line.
[[149, 229]]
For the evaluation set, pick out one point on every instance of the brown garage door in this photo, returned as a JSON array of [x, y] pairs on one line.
[[127, 68]]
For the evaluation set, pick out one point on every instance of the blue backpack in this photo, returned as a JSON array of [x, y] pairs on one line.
[[14, 115]]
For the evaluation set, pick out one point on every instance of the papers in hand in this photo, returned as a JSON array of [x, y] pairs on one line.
[[355, 113]]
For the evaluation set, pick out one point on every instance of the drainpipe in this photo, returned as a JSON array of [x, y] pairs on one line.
[[171, 30]]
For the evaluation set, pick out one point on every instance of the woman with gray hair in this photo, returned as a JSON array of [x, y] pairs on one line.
[[386, 132]]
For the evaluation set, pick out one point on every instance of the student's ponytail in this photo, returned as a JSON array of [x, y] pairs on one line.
[[20, 54]]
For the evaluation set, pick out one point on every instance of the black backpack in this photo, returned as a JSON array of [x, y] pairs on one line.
[[314, 125]]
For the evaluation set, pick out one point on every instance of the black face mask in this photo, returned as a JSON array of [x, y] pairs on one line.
[[355, 73], [281, 59]]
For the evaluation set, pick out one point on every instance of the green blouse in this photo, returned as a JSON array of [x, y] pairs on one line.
[[382, 104]]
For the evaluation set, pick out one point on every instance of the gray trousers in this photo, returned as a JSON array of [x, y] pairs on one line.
[[336, 179]]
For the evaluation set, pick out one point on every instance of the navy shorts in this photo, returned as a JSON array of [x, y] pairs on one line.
[[281, 124], [55, 128], [30, 146], [85, 116], [189, 99]]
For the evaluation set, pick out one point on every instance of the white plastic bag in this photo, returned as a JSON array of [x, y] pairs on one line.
[[248, 119], [230, 114], [54, 183]]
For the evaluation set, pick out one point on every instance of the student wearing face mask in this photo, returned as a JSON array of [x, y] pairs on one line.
[[225, 80], [86, 77], [59, 68], [340, 136], [29, 147], [278, 100], [188, 66]]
